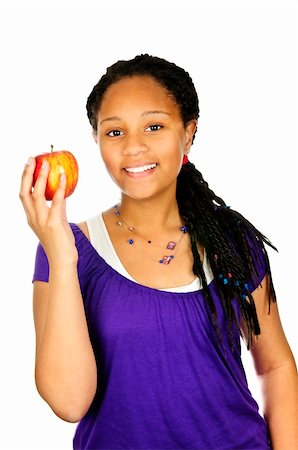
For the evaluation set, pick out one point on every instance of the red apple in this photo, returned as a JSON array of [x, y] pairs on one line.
[[61, 161]]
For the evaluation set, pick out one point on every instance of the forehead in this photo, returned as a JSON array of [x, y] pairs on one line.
[[139, 90]]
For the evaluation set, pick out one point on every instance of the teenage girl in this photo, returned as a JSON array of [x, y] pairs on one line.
[[139, 311]]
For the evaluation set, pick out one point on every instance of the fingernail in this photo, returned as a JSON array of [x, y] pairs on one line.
[[29, 161], [62, 177], [44, 164]]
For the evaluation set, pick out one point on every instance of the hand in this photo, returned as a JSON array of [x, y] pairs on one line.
[[49, 223]]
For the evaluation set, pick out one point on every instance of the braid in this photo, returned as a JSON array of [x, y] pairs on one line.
[[224, 234]]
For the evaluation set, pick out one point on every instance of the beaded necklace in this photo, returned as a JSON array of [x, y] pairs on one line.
[[171, 245]]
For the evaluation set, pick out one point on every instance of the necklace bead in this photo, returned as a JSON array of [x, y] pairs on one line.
[[166, 259], [171, 245]]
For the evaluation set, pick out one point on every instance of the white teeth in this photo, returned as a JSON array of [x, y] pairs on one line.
[[140, 169]]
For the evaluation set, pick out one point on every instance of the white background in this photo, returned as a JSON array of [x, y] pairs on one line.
[[242, 56]]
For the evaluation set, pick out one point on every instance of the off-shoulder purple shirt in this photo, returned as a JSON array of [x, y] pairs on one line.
[[164, 381]]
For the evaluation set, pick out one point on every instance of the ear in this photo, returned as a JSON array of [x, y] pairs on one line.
[[190, 130]]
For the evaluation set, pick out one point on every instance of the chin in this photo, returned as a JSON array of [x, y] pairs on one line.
[[139, 195], [150, 193]]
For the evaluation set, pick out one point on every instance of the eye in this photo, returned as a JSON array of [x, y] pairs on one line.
[[114, 133], [154, 127]]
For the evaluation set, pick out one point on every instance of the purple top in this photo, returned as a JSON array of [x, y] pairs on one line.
[[164, 381]]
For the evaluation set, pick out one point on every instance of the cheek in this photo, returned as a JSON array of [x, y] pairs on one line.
[[109, 163], [107, 160], [107, 153], [173, 148]]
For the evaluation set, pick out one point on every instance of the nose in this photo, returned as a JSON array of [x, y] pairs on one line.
[[134, 145]]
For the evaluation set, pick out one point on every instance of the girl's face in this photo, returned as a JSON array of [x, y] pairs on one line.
[[142, 137]]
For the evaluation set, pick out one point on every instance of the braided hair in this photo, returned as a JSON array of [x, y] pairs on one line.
[[224, 233]]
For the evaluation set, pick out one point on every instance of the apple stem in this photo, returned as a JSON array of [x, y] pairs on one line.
[[52, 147]]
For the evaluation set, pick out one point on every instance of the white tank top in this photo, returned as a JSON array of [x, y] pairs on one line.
[[101, 241]]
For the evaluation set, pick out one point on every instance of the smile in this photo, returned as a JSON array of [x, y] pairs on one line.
[[140, 169]]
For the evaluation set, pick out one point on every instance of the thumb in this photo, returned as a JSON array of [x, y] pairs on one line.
[[60, 192], [63, 210]]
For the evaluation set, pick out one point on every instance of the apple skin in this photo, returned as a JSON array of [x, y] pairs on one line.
[[59, 161]]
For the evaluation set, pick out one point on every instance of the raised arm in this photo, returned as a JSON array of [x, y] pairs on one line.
[[277, 371], [65, 367]]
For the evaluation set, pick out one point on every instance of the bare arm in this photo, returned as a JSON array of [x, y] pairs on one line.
[[65, 367], [277, 371]]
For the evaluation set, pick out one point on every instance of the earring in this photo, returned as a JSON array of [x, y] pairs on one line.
[[185, 160]]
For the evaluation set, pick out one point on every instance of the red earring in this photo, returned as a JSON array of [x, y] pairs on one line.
[[185, 159]]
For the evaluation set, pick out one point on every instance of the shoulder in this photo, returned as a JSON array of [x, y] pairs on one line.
[[250, 245], [90, 263], [84, 228]]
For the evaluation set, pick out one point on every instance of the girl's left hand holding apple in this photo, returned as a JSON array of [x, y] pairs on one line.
[[64, 354], [49, 223]]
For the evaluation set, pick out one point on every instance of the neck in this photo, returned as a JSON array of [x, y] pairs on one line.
[[151, 214]]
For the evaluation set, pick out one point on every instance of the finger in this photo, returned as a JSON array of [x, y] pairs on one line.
[[41, 182], [58, 207], [26, 186], [27, 177], [63, 210], [58, 198], [38, 195]]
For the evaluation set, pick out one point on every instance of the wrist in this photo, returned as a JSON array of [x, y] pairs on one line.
[[63, 263]]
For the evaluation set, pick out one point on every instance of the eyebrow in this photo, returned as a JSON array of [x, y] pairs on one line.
[[143, 114], [155, 112], [109, 119]]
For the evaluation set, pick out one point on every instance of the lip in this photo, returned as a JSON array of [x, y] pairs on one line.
[[146, 173], [132, 165]]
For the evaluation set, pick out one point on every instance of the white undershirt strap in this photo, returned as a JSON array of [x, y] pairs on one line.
[[101, 241]]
